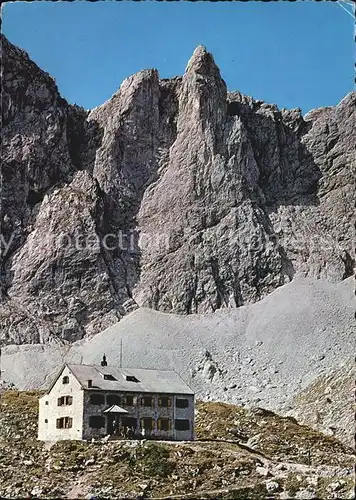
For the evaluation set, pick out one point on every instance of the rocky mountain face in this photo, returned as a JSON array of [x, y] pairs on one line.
[[174, 194]]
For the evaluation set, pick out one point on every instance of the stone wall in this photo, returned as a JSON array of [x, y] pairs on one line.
[[139, 412]]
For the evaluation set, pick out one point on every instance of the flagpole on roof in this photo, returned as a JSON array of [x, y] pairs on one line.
[[121, 353]]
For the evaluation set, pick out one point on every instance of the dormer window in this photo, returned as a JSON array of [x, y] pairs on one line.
[[164, 402], [128, 400], [65, 379], [131, 378], [107, 376]]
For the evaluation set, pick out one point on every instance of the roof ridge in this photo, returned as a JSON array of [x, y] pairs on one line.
[[121, 368]]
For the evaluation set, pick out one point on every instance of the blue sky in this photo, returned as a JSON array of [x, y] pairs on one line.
[[292, 54]]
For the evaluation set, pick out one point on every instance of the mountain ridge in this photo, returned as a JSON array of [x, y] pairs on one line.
[[210, 199]]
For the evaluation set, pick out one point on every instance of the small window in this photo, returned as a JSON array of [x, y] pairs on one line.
[[164, 424], [46, 421], [96, 422], [147, 401], [97, 399], [182, 403], [182, 425], [113, 399], [46, 402], [64, 423], [107, 376], [65, 379], [128, 400], [164, 402]]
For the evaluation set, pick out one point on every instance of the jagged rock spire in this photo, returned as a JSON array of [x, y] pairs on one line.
[[202, 102], [202, 62], [206, 205]]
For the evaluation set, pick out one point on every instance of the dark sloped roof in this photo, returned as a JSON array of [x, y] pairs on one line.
[[118, 379]]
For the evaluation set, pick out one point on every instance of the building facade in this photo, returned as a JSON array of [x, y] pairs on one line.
[[92, 401]]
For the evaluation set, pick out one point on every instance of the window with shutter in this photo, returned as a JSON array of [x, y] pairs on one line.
[[65, 401], [164, 402], [147, 423], [64, 423], [128, 400], [163, 424], [68, 421]]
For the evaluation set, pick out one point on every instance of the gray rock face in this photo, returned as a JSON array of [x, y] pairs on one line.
[[174, 194]]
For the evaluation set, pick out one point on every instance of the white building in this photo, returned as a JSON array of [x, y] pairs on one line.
[[92, 401]]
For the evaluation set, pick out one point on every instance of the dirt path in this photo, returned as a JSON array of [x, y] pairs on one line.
[[80, 489]]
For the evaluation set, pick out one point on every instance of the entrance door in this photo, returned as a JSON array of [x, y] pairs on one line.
[[129, 422], [113, 424], [147, 425]]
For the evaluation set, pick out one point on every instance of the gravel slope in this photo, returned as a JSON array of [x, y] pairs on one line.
[[261, 354]]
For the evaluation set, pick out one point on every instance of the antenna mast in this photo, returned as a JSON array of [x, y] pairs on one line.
[[121, 353]]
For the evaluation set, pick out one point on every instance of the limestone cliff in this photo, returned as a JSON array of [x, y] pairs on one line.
[[174, 194]]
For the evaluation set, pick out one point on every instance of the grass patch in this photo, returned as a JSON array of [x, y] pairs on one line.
[[154, 460], [72, 453]]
